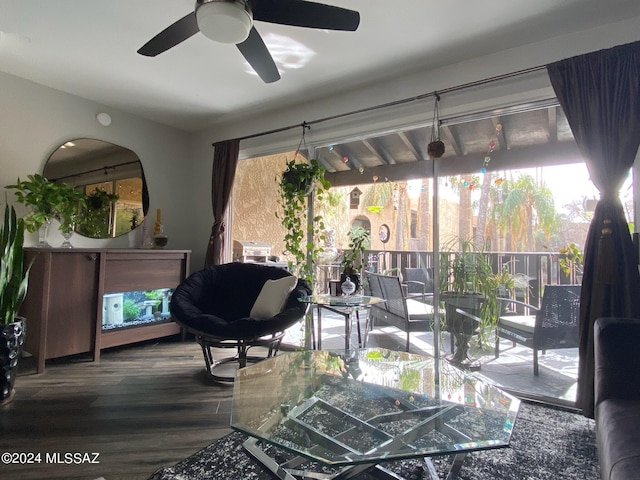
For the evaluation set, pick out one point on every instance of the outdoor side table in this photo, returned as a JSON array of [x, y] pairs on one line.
[[345, 306]]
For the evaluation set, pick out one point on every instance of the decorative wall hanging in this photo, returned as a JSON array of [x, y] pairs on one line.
[[354, 198]]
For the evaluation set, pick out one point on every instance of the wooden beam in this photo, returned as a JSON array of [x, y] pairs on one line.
[[448, 134], [412, 148], [377, 149], [501, 137]]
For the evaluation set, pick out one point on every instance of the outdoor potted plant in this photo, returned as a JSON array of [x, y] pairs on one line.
[[353, 258], [469, 284], [13, 289], [571, 262], [296, 184], [46, 200]]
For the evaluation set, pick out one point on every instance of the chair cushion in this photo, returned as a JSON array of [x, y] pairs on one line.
[[525, 323], [419, 310], [272, 297]]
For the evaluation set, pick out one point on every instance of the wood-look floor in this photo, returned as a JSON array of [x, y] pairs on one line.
[[140, 408]]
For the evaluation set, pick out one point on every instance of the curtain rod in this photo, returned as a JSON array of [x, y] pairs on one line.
[[400, 102]]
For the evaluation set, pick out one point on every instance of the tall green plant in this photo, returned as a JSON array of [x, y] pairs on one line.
[[465, 269], [13, 278], [297, 182], [359, 240]]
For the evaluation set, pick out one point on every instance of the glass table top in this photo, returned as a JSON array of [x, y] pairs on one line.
[[342, 301], [369, 405]]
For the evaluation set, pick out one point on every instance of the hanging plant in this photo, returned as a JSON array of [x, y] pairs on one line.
[[297, 183], [95, 221], [435, 149]]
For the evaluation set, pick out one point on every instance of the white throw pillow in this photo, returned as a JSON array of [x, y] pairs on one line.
[[272, 297]]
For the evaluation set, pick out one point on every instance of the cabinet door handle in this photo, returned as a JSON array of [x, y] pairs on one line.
[[92, 256]]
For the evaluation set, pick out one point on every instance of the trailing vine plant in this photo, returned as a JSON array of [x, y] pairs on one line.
[[297, 183]]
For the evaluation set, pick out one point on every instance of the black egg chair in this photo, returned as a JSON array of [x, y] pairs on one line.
[[215, 303]]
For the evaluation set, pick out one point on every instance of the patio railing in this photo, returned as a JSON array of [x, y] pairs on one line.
[[532, 270]]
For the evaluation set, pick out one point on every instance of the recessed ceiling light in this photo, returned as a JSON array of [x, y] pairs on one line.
[[104, 119]]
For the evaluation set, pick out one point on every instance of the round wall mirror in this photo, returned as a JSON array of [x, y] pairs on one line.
[[112, 178]]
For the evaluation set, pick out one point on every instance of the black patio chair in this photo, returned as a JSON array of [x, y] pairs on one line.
[[419, 282], [552, 326], [407, 314], [216, 305]]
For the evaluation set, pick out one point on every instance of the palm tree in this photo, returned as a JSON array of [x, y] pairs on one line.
[[525, 205]]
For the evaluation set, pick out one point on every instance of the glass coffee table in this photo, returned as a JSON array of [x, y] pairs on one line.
[[339, 414]]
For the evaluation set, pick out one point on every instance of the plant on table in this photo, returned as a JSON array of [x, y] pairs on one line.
[[353, 258], [46, 200]]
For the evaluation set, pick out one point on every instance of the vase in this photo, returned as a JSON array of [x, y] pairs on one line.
[[353, 278], [67, 240], [43, 231], [11, 342]]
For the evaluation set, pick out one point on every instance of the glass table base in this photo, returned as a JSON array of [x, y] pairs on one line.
[[288, 470]]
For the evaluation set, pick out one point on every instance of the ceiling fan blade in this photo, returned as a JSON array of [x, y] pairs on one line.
[[299, 13], [255, 52], [171, 36]]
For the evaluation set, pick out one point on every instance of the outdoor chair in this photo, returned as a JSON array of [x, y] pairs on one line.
[[419, 282], [407, 314], [552, 326], [240, 306]]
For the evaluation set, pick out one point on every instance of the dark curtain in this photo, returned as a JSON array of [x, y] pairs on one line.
[[600, 95], [225, 159]]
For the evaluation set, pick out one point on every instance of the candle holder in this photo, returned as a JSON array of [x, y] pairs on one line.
[[160, 239]]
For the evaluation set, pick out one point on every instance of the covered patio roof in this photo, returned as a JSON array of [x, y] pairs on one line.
[[519, 138]]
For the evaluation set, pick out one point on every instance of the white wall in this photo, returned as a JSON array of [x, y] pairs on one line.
[[35, 120]]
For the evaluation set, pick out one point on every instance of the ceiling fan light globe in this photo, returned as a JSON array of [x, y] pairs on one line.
[[224, 21]]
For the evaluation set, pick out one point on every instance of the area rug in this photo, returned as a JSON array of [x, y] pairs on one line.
[[546, 443]]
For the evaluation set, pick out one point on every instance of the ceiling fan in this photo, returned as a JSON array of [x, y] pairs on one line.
[[231, 21]]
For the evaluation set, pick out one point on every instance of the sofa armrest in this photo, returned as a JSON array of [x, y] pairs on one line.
[[617, 359]]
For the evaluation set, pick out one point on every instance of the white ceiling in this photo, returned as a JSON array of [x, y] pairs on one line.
[[88, 48]]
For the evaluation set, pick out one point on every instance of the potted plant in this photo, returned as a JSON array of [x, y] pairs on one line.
[[571, 262], [469, 284], [353, 258], [46, 200], [13, 289], [296, 184]]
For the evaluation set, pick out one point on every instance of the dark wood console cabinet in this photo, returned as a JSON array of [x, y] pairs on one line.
[[64, 302]]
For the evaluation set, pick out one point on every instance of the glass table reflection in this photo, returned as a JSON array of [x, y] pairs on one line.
[[338, 414]]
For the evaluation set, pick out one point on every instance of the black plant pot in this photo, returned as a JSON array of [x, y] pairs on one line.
[[461, 327], [301, 184], [11, 342]]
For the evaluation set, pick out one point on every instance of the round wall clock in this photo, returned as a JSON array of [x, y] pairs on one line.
[[384, 233]]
